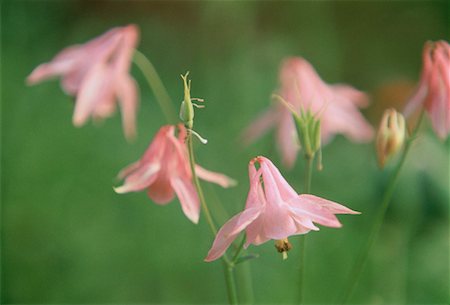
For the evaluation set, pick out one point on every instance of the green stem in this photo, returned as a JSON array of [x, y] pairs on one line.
[[302, 243], [308, 174], [244, 278], [228, 265], [155, 83], [238, 250], [231, 283], [198, 187], [378, 220]]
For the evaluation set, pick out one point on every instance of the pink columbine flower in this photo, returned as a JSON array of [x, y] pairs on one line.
[[433, 90], [97, 73], [275, 211], [164, 171], [336, 105]]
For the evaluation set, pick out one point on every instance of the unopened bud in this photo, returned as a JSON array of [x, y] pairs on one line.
[[391, 135], [187, 109], [308, 128], [283, 246]]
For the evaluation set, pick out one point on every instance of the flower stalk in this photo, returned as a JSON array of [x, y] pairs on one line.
[[228, 265], [379, 218], [302, 243], [157, 86], [187, 116]]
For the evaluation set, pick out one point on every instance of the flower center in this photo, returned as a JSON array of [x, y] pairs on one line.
[[283, 246]]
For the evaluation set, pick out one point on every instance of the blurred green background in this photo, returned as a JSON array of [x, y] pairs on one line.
[[68, 238]]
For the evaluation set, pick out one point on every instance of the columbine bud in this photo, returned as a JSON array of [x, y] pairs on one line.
[[283, 246], [308, 129], [187, 109], [391, 135]]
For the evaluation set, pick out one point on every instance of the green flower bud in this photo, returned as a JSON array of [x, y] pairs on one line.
[[390, 136], [308, 129], [187, 109]]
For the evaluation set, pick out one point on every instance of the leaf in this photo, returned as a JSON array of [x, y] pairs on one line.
[[246, 258]]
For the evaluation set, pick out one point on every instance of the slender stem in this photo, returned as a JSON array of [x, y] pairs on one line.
[[378, 220], [228, 265], [198, 187], [155, 83], [238, 250], [302, 243], [231, 283], [244, 278], [308, 174]]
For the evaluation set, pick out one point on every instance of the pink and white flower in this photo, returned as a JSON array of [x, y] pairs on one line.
[[336, 105], [275, 211], [164, 171], [433, 91], [97, 73]]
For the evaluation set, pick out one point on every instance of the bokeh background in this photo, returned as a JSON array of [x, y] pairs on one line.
[[68, 238]]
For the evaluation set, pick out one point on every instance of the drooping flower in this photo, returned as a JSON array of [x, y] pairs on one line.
[[164, 171], [433, 91], [275, 211], [97, 73], [335, 105]]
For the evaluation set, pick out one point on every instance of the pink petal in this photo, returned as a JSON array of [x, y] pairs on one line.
[[129, 37], [63, 63], [214, 177], [188, 197], [287, 140], [95, 87], [256, 197], [260, 125], [304, 209], [139, 179], [229, 232], [304, 225], [346, 120], [331, 206], [127, 93], [161, 190], [157, 148], [286, 191], [356, 97], [271, 190], [255, 233], [277, 221], [128, 170]]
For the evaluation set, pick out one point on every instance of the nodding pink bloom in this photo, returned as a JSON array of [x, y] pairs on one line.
[[275, 211], [164, 171], [433, 90], [336, 105], [97, 73]]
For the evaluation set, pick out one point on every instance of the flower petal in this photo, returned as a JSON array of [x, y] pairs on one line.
[[260, 126], [214, 177], [128, 170], [287, 140], [127, 93], [139, 179], [229, 232], [255, 233], [305, 209], [331, 206], [188, 197], [286, 191], [63, 63], [161, 191], [96, 87]]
